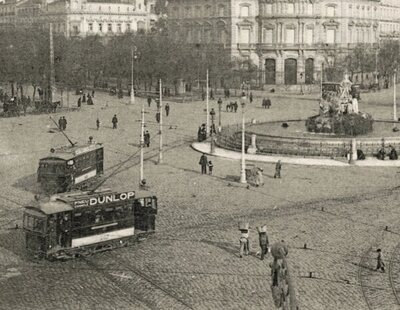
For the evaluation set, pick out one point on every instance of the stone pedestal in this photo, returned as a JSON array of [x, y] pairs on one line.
[[353, 154], [180, 87], [253, 147]]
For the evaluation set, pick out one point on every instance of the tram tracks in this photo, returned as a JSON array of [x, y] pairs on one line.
[[380, 290], [135, 282]]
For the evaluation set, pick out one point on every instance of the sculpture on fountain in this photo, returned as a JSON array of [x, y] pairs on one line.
[[339, 112]]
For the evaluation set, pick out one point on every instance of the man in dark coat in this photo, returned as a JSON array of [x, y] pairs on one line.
[[60, 124], [203, 162], [114, 121], [84, 98], [64, 123], [263, 238], [79, 102], [147, 139], [278, 168], [158, 117], [149, 101], [167, 109]]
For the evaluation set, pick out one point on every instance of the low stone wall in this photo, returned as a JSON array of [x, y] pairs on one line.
[[231, 137]]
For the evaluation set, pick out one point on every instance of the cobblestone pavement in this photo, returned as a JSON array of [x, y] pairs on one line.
[[192, 261]]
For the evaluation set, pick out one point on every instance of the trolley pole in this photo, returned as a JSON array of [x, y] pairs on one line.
[[160, 158], [243, 159], [141, 146], [207, 112], [52, 73], [132, 99], [394, 96]]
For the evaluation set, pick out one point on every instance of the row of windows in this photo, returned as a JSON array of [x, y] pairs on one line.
[[197, 11], [110, 27], [108, 8], [390, 27], [358, 35], [204, 35]]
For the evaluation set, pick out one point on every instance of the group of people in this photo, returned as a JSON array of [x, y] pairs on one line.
[[86, 99], [244, 240], [202, 133], [266, 103], [204, 163], [392, 153], [62, 123]]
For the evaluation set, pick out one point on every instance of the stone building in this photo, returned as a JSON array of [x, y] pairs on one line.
[[288, 40], [81, 17]]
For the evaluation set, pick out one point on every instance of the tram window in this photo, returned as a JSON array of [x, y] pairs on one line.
[[141, 201], [149, 202], [108, 214], [35, 224]]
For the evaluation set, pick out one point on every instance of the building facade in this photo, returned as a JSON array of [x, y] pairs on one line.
[[289, 40], [81, 17]]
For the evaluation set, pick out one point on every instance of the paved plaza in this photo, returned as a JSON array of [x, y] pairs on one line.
[[341, 213]]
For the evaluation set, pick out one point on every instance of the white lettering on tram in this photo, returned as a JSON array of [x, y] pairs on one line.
[[111, 198]]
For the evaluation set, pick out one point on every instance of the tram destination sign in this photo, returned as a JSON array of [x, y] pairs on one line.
[[104, 199]]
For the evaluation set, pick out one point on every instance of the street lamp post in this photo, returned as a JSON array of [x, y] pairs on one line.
[[243, 160], [394, 95], [212, 130], [134, 57], [219, 115]]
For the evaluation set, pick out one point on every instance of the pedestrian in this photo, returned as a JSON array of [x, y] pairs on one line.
[[259, 177], [97, 123], [393, 153], [114, 121], [263, 239], [64, 123], [203, 162], [60, 124], [93, 93], [149, 101], [147, 138], [89, 100], [210, 167], [158, 117], [203, 96], [211, 94], [84, 98], [379, 260], [251, 97], [79, 102], [235, 106], [244, 242], [278, 168], [167, 109]]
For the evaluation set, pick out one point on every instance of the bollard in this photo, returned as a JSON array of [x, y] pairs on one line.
[[305, 246], [310, 274]]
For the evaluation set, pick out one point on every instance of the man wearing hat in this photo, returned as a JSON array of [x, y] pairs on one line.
[[263, 238]]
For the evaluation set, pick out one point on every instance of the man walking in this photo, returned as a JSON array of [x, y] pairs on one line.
[[97, 123], [203, 162], [379, 259], [244, 242], [114, 121], [263, 238], [167, 109], [147, 138], [278, 168]]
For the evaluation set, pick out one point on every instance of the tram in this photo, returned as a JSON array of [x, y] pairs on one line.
[[70, 168], [80, 223]]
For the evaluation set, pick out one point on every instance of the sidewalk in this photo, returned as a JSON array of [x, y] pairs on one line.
[[205, 147]]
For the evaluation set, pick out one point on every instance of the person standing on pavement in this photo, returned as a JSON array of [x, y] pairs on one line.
[[158, 117], [278, 168], [97, 123], [84, 98], [147, 138], [60, 124], [251, 97], [379, 259], [93, 93], [203, 162], [167, 109], [210, 167], [114, 121], [263, 238], [64, 125], [244, 242], [149, 101], [79, 102], [259, 177]]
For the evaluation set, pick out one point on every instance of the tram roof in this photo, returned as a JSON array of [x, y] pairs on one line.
[[53, 207], [69, 152]]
